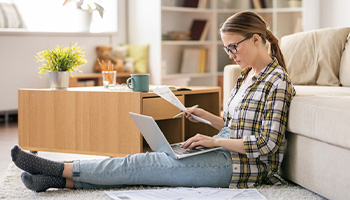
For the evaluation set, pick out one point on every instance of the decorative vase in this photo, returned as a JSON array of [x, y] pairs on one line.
[[59, 80], [86, 20]]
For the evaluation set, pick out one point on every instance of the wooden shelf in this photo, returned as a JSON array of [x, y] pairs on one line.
[[94, 79], [289, 10], [197, 75], [183, 9], [262, 10], [166, 57], [185, 42]]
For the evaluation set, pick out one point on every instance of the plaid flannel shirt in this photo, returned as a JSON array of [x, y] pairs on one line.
[[260, 119]]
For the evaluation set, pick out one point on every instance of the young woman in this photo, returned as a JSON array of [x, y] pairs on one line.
[[251, 133]]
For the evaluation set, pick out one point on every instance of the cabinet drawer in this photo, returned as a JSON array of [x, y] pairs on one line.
[[159, 108]]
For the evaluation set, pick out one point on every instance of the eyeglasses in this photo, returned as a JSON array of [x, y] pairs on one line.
[[232, 48]]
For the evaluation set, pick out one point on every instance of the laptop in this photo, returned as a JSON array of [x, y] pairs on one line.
[[157, 141]]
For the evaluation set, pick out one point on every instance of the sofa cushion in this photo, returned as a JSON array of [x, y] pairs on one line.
[[344, 71], [313, 57], [140, 53], [321, 113]]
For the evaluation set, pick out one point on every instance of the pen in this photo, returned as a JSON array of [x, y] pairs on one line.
[[195, 106]]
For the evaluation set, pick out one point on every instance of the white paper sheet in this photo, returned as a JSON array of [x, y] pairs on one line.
[[167, 94], [188, 194]]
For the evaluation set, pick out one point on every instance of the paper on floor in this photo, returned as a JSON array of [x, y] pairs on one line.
[[187, 193]]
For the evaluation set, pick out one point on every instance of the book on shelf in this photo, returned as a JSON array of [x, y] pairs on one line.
[[257, 4], [194, 60], [190, 60], [203, 61], [205, 32], [203, 4], [191, 3], [199, 29], [195, 3]]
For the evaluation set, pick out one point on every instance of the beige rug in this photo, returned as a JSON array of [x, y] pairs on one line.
[[12, 188]]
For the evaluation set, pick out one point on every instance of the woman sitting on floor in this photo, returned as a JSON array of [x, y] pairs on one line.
[[252, 133]]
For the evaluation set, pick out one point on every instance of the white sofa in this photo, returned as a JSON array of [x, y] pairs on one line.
[[318, 130]]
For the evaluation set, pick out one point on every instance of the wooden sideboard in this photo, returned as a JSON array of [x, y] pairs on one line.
[[96, 121]]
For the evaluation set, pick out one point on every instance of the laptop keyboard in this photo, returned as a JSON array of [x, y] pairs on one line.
[[180, 151]]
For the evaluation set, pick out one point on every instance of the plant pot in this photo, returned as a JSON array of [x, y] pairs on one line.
[[87, 20], [84, 20], [59, 80]]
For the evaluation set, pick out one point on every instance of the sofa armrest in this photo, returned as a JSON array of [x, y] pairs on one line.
[[231, 74]]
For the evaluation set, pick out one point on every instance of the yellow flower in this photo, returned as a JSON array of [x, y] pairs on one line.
[[61, 59]]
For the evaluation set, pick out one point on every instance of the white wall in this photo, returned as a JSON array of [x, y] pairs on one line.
[[326, 14], [335, 13], [145, 29], [121, 36]]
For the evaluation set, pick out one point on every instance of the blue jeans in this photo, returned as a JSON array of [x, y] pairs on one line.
[[212, 169]]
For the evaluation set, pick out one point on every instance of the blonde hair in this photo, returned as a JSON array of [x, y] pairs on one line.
[[246, 23]]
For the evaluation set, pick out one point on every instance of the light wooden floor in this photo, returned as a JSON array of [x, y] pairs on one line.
[[9, 138]]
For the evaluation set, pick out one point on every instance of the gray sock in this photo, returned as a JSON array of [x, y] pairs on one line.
[[40, 183], [34, 164]]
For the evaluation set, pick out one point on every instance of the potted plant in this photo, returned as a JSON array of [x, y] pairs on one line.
[[60, 63]]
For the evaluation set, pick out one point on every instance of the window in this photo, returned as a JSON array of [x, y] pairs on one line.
[[52, 16]]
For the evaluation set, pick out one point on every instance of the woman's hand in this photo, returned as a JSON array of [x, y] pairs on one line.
[[196, 111], [200, 140], [215, 121], [234, 145]]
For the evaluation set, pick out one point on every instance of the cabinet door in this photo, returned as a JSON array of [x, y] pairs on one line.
[[159, 108]]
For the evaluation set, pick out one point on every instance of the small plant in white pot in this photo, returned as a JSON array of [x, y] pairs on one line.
[[60, 63], [86, 9], [88, 5]]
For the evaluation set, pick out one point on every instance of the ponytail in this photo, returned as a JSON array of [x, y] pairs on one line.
[[275, 50]]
